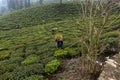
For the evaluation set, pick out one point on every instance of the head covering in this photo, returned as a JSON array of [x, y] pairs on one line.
[[58, 37]]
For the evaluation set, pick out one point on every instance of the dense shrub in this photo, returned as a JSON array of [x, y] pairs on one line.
[[36, 77], [4, 67], [112, 44], [30, 50], [111, 40], [110, 34], [2, 49], [71, 52], [16, 60], [67, 52], [6, 76], [61, 53], [45, 60], [30, 59], [4, 55], [25, 71], [52, 66]]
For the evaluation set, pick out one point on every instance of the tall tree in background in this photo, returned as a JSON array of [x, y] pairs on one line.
[[3, 9], [21, 4], [60, 1], [11, 4], [18, 4], [27, 3], [40, 1]]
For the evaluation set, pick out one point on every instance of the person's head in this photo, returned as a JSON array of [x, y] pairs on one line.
[[59, 36]]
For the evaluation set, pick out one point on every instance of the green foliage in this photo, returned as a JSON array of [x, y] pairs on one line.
[[5, 67], [111, 34], [115, 40], [111, 39], [52, 66], [4, 55], [30, 59], [112, 42], [2, 49], [36, 77], [6, 76], [71, 51], [16, 60], [25, 71], [61, 53]]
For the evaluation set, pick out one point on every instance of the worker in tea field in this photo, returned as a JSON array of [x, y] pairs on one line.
[[59, 40]]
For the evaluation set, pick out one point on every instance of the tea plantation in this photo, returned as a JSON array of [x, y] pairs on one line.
[[27, 45]]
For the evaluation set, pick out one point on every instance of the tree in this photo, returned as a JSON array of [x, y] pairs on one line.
[[21, 4], [27, 3], [11, 4], [3, 9], [40, 1], [60, 1], [18, 4]]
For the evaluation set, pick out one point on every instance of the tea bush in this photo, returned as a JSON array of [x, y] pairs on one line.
[[45, 60], [25, 71], [36, 77], [71, 52], [61, 53], [52, 66], [67, 52], [5, 67], [30, 59], [16, 60], [18, 54], [6, 76], [111, 34], [111, 40], [112, 43], [4, 55]]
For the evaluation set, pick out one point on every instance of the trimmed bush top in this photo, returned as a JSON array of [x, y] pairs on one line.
[[35, 77], [61, 53], [30, 60], [52, 66], [5, 55]]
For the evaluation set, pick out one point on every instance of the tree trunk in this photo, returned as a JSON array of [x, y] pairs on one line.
[[60, 1], [40, 1]]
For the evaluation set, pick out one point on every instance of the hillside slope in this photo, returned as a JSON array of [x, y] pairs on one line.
[[24, 52], [37, 15]]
